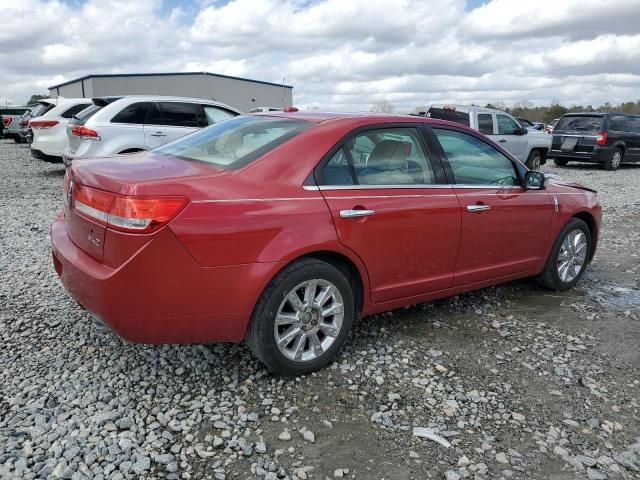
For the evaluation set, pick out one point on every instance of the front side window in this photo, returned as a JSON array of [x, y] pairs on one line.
[[474, 162], [178, 114], [393, 156], [134, 113], [485, 123], [507, 125], [236, 142], [216, 115]]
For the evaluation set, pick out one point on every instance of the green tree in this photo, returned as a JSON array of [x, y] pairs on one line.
[[35, 97]]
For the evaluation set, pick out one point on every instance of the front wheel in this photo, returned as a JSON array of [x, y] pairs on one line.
[[614, 161], [569, 257], [302, 318], [535, 160]]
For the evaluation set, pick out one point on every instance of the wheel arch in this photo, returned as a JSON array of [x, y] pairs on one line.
[[587, 218]]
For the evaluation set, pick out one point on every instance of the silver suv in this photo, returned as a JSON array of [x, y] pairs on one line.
[[114, 125]]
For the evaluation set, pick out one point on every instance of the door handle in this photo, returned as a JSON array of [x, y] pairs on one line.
[[356, 213], [502, 140], [478, 208], [158, 134]]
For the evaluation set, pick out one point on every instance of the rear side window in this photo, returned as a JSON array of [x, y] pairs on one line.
[[579, 123], [216, 115], [176, 114], [337, 170], [618, 123], [70, 112], [236, 142], [450, 114], [633, 124], [134, 113], [474, 162], [485, 123]]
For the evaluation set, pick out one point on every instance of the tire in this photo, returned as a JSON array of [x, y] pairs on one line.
[[535, 160], [614, 161], [560, 162], [551, 277], [295, 280]]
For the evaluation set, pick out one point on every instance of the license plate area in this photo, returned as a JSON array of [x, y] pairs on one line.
[[569, 143]]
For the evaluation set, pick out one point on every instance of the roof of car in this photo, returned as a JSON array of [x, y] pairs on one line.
[[177, 99], [317, 117], [466, 108]]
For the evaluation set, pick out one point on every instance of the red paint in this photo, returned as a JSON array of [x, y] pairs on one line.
[[197, 278]]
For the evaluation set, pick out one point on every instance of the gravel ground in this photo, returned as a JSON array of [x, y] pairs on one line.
[[508, 382]]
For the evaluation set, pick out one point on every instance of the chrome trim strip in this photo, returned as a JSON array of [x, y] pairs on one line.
[[236, 200], [325, 188], [365, 197]]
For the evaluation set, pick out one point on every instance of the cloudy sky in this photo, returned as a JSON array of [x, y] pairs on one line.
[[338, 54]]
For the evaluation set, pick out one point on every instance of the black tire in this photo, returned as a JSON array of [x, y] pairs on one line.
[[549, 277], [261, 336], [535, 160], [614, 161], [560, 162]]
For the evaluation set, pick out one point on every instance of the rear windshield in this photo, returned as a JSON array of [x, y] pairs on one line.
[[236, 142], [579, 123], [449, 114], [81, 118]]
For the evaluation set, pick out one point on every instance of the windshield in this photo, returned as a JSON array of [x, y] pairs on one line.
[[236, 142], [579, 123]]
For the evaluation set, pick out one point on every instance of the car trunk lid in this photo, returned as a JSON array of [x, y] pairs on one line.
[[576, 133]]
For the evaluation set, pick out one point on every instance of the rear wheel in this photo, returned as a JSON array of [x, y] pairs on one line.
[[568, 258], [302, 318], [560, 162], [535, 160], [614, 161]]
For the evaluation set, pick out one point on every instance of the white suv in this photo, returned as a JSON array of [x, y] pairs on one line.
[[130, 124], [50, 129]]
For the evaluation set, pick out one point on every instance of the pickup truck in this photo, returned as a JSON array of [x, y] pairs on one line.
[[528, 146], [10, 121]]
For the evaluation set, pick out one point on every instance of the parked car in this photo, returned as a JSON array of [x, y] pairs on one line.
[[50, 129], [529, 147], [529, 125], [282, 229], [549, 128], [10, 116], [606, 138], [25, 132], [265, 109], [135, 123]]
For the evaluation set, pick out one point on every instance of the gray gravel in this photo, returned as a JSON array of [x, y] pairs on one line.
[[508, 382]]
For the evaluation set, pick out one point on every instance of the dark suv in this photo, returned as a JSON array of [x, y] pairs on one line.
[[606, 138]]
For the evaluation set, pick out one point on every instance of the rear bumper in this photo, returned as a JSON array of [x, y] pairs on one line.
[[160, 294], [40, 155], [598, 155]]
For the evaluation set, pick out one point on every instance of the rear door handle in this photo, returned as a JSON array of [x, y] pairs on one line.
[[478, 208], [502, 140], [356, 213], [158, 134]]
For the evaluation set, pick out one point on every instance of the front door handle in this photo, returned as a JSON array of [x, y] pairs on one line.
[[356, 213], [478, 208], [502, 140], [158, 134]]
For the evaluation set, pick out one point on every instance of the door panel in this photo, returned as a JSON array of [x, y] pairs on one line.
[[409, 243], [507, 238]]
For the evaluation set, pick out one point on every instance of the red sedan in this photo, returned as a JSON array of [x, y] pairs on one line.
[[281, 229]]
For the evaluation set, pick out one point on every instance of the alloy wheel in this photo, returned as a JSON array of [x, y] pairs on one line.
[[616, 159], [572, 255], [309, 320]]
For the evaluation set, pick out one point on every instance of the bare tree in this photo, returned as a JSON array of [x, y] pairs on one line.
[[385, 106]]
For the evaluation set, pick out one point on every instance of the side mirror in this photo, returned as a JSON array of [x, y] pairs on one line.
[[534, 180], [523, 131]]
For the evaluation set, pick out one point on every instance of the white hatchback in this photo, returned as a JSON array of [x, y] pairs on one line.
[[50, 129], [130, 124]]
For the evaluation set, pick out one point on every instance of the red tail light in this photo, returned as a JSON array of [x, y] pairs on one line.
[[290, 109], [601, 139], [43, 123], [6, 120], [126, 213], [84, 133]]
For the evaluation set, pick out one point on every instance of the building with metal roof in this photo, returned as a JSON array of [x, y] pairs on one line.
[[241, 93]]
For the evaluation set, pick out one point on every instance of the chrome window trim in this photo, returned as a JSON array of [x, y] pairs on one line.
[[405, 187]]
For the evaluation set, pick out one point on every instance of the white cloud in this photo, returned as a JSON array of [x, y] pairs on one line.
[[338, 54]]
